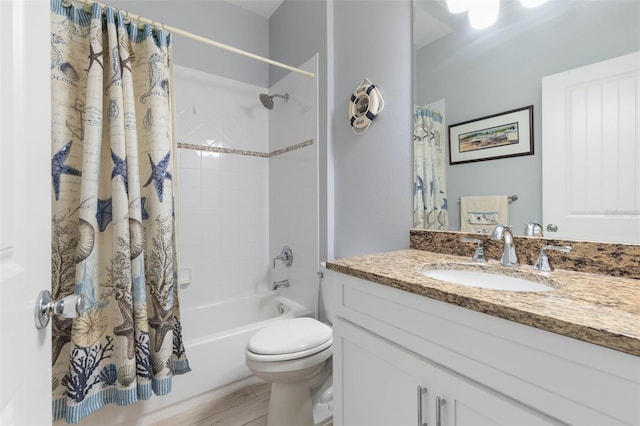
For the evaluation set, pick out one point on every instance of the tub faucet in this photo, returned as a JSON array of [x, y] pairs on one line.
[[278, 284], [286, 256], [509, 257]]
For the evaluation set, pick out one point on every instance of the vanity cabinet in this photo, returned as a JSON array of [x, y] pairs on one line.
[[383, 384], [388, 342]]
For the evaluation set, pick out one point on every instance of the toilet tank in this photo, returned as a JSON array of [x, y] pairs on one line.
[[329, 293]]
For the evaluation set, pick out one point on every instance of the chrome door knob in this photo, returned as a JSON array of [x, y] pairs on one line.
[[68, 307], [552, 228]]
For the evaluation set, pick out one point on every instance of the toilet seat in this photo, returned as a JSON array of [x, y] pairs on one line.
[[290, 339]]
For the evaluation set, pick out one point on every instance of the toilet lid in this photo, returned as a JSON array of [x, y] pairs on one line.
[[290, 336]]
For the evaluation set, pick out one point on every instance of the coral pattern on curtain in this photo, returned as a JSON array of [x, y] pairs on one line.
[[430, 209], [113, 220]]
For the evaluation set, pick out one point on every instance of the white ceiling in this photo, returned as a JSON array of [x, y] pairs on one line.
[[263, 8]]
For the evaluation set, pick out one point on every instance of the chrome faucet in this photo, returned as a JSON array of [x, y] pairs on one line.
[[286, 256], [533, 229], [509, 257], [278, 284], [543, 264], [478, 255]]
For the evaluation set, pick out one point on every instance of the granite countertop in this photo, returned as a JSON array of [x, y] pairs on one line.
[[598, 309]]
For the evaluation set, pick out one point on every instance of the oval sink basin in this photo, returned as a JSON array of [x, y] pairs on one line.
[[485, 280]]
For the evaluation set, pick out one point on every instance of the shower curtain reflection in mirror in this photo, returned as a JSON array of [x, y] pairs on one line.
[[429, 183], [113, 220]]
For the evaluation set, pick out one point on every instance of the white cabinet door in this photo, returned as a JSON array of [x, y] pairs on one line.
[[591, 151], [470, 404], [25, 199], [379, 381]]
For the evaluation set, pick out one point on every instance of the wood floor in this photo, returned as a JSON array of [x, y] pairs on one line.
[[246, 407]]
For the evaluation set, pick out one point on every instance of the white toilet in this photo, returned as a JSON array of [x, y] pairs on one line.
[[294, 355]]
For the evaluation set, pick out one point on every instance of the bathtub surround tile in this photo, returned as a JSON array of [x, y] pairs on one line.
[[190, 179], [236, 148], [190, 159], [222, 150], [219, 111], [191, 198], [210, 200], [244, 152], [211, 179], [618, 260], [190, 225]]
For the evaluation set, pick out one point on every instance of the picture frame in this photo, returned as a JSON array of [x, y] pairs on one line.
[[503, 135]]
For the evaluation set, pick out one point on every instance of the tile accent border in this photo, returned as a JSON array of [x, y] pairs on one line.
[[222, 150], [618, 260]]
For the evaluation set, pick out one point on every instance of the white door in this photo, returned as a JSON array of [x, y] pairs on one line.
[[25, 205], [591, 151]]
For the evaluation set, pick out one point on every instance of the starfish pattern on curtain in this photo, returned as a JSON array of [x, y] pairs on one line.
[[113, 234]]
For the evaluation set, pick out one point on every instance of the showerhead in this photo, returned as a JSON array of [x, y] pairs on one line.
[[267, 100]]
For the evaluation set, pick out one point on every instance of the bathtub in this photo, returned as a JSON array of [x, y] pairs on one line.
[[215, 337]]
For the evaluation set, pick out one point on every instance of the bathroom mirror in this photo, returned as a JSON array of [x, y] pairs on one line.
[[477, 73]]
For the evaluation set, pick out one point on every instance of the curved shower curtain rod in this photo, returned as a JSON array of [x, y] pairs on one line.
[[204, 40]]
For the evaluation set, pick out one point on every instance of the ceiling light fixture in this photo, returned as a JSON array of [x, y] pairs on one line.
[[458, 6], [483, 13], [532, 3]]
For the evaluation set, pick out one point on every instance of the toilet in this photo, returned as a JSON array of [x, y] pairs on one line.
[[294, 355]]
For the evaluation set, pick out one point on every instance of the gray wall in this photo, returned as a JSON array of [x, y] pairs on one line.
[[481, 73], [217, 20], [365, 181], [373, 172]]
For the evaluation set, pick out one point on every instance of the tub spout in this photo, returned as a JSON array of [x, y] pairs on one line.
[[278, 284]]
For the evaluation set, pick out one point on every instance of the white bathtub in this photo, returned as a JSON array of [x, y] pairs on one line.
[[215, 337]]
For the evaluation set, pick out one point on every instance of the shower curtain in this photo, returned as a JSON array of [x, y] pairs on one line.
[[113, 221], [430, 210]]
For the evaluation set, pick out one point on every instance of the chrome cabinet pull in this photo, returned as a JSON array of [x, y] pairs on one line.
[[439, 403], [421, 391], [552, 228]]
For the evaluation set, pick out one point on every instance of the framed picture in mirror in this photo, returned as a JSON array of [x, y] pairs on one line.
[[503, 135]]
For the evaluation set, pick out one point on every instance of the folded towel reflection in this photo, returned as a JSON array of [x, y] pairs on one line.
[[481, 214]]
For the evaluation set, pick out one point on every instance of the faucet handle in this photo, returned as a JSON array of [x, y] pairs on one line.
[[286, 256], [478, 255], [533, 229], [543, 264]]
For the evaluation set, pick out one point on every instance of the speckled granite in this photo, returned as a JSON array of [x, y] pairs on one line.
[[618, 260], [598, 309]]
